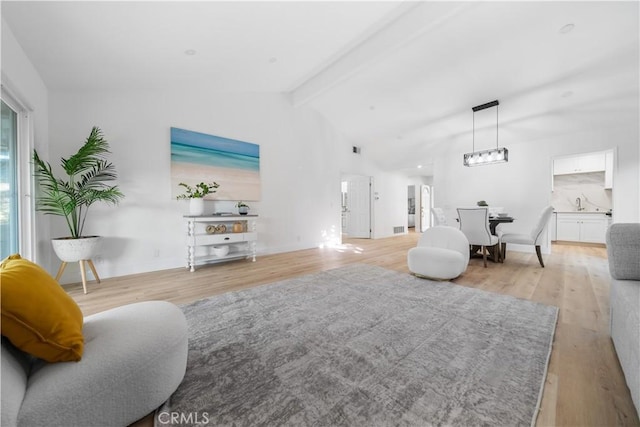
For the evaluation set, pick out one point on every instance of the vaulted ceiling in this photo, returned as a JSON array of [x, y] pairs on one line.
[[397, 78]]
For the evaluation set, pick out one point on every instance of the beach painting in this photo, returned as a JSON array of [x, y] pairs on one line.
[[199, 157]]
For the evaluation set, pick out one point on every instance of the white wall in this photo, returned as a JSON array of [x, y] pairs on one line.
[[302, 158], [22, 81], [300, 205]]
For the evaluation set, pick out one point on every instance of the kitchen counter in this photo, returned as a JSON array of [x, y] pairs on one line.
[[583, 212]]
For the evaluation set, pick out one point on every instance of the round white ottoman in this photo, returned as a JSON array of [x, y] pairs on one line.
[[442, 254]]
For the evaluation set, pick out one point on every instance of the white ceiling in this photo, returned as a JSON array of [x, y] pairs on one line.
[[398, 78]]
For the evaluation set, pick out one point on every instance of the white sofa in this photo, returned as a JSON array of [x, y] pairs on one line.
[[623, 249], [134, 358]]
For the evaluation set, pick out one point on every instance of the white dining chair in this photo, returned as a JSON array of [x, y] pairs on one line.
[[438, 217], [534, 237], [474, 223]]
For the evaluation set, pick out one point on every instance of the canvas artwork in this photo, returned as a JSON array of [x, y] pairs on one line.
[[199, 157]]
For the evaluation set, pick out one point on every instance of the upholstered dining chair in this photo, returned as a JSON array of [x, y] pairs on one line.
[[438, 217], [534, 237], [474, 223]]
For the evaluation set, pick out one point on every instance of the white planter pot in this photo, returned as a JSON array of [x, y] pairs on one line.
[[196, 206], [73, 250]]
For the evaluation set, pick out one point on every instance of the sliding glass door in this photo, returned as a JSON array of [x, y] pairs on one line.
[[9, 192]]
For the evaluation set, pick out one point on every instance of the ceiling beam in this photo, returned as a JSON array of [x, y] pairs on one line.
[[414, 19]]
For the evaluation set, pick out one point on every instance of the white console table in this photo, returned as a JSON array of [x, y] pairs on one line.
[[209, 234]]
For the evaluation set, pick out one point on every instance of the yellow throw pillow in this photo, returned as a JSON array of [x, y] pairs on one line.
[[38, 316]]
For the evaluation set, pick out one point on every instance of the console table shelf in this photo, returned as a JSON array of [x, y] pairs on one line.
[[208, 234]]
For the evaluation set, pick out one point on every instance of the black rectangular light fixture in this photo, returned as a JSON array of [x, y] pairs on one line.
[[485, 157]]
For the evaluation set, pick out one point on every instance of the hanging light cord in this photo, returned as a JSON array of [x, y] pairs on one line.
[[496, 126], [473, 138]]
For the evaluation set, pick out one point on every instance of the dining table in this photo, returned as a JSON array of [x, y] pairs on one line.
[[494, 221], [494, 251]]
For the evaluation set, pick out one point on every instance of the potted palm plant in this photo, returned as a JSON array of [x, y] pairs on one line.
[[196, 195], [87, 174]]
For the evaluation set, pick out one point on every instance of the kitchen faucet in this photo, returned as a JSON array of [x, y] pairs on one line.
[[579, 204]]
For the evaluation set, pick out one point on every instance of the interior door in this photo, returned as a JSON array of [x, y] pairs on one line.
[[358, 206], [425, 207]]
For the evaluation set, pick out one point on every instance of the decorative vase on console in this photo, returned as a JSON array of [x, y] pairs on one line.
[[196, 206], [243, 208], [196, 195]]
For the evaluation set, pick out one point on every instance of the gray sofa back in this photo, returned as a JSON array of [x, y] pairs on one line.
[[623, 249], [15, 371]]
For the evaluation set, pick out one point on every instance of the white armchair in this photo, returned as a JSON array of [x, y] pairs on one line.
[[534, 237], [474, 223], [442, 253]]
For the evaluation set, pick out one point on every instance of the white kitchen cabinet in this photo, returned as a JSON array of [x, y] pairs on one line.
[[565, 165], [585, 227], [593, 230], [218, 238], [594, 162]]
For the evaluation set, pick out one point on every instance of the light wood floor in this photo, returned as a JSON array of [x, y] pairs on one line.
[[585, 384]]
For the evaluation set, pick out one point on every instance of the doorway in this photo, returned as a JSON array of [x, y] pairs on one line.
[[426, 202], [356, 206]]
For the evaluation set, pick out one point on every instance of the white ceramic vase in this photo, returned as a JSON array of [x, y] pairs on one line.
[[221, 251], [73, 250], [196, 206]]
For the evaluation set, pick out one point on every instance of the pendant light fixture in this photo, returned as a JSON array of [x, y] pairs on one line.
[[485, 157]]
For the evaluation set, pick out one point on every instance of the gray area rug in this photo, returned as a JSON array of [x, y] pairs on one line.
[[363, 346]]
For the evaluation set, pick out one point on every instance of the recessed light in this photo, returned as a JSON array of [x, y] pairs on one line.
[[567, 28], [273, 59], [190, 52], [372, 107], [419, 166]]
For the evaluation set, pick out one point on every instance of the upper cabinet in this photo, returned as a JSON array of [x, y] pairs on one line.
[[595, 162]]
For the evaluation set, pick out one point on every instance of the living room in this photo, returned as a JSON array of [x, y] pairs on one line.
[[305, 148], [136, 121]]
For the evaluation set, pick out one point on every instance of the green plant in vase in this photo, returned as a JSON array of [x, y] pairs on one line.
[[86, 182], [87, 173], [198, 191], [195, 194], [243, 208]]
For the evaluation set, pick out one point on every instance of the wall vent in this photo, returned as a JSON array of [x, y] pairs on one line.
[[398, 230], [356, 150]]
